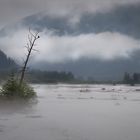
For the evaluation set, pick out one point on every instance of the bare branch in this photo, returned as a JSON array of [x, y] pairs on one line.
[[32, 38]]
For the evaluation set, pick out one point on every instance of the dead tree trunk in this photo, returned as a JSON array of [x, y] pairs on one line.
[[31, 43]]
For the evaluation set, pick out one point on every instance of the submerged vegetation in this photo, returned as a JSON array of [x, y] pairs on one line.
[[12, 89]]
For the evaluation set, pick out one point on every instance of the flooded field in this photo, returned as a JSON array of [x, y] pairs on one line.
[[73, 112]]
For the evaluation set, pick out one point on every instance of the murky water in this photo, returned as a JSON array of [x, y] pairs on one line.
[[73, 112]]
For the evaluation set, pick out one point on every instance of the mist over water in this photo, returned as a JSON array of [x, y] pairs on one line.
[[68, 112]]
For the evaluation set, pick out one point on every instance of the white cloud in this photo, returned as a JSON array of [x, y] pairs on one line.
[[53, 49]]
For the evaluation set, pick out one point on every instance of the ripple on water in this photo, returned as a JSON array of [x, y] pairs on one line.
[[34, 116]]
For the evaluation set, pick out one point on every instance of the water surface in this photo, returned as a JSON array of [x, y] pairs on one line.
[[73, 112]]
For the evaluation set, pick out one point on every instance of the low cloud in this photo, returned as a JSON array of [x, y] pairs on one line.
[[53, 49]]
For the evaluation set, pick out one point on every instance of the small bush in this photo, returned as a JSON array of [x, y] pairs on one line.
[[12, 89]]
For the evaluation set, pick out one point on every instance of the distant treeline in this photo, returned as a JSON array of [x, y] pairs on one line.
[[131, 78], [37, 76]]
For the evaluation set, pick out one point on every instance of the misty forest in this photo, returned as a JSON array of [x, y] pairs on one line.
[[69, 70]]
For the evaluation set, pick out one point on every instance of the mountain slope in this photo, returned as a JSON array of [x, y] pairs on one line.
[[6, 63]]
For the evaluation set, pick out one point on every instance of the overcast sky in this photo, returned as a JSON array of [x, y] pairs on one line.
[[104, 45], [14, 10]]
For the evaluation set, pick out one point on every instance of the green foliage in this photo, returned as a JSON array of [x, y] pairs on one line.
[[12, 89]]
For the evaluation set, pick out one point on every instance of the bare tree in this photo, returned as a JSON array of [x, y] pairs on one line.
[[32, 38]]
